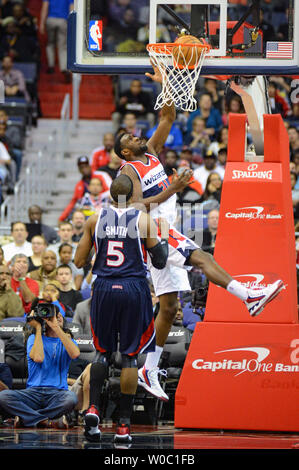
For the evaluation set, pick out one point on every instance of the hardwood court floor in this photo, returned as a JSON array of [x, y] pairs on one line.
[[146, 437]]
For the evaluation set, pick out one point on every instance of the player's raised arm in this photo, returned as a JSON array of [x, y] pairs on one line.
[[86, 242], [167, 118]]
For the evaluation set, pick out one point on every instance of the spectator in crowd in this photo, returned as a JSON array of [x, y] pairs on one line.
[[15, 136], [82, 186], [20, 244], [82, 315], [27, 289], [47, 272], [234, 105], [267, 28], [191, 156], [2, 260], [190, 319], [101, 156], [283, 29], [20, 47], [94, 199], [66, 257], [35, 217], [6, 8], [279, 104], [14, 153], [295, 163], [209, 165], [136, 101], [78, 221], [46, 395], [128, 26], [7, 172], [111, 168], [294, 140], [162, 33], [39, 246], [53, 21], [68, 296], [210, 114], [10, 303], [198, 137], [295, 195], [295, 113], [6, 378], [117, 9], [220, 142], [13, 79], [170, 162], [24, 21], [213, 188], [211, 87], [174, 139], [209, 233], [222, 156], [13, 132], [131, 126], [65, 233]]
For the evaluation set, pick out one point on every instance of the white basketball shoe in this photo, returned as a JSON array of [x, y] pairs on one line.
[[148, 379], [258, 298]]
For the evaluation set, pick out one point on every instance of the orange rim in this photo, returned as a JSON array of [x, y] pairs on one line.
[[167, 47]]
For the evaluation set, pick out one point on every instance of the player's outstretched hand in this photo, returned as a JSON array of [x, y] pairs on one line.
[[179, 182], [156, 77]]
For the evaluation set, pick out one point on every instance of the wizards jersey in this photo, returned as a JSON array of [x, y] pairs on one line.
[[118, 246], [153, 180]]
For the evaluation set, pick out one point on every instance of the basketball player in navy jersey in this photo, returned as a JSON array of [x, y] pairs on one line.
[[153, 191], [121, 302]]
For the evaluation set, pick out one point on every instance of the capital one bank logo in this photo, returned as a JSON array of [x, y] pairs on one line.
[[249, 365], [253, 360], [252, 281], [252, 213]]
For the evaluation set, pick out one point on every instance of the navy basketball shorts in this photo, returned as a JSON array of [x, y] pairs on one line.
[[122, 311]]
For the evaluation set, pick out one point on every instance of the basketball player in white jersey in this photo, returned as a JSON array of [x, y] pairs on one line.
[[153, 190]]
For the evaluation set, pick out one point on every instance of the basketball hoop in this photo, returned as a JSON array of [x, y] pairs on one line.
[[180, 66]]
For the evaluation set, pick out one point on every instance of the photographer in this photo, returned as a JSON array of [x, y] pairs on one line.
[[50, 349], [10, 302]]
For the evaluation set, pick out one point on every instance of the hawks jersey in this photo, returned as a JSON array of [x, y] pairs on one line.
[[153, 180], [118, 244]]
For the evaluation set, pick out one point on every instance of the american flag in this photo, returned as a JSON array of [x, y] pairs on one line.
[[279, 50]]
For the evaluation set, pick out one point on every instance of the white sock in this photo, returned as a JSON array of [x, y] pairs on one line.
[[237, 289], [153, 358]]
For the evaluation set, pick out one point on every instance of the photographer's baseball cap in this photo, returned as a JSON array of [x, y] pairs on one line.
[[83, 160]]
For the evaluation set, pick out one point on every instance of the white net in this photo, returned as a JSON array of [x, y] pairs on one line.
[[179, 72]]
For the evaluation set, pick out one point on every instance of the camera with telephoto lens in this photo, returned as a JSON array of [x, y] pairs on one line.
[[42, 311], [199, 298]]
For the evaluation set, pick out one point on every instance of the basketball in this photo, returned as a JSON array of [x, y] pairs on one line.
[[186, 55]]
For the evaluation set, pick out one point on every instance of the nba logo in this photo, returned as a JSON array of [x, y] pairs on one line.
[[95, 35]]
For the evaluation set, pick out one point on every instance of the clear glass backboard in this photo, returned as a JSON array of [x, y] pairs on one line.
[[248, 37]]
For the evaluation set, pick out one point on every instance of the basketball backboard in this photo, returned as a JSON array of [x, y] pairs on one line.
[[248, 37]]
